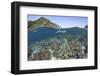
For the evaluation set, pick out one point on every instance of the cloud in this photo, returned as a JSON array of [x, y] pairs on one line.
[[69, 26]]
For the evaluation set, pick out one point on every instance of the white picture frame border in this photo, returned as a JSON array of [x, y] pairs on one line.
[[25, 64]]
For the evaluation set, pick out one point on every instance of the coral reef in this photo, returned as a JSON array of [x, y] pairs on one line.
[[58, 48]]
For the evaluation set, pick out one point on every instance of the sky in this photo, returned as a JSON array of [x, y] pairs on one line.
[[63, 21]]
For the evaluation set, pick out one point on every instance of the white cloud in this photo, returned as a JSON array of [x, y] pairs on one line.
[[69, 26]]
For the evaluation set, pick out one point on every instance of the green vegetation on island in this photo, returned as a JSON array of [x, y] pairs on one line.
[[41, 22]]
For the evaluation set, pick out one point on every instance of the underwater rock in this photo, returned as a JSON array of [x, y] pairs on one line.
[[42, 55]]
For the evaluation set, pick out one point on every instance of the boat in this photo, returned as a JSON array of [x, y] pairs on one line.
[[59, 31]]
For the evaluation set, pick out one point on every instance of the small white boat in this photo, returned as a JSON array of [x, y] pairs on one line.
[[59, 31]]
